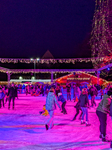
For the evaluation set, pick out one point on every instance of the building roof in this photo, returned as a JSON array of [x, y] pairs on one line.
[[47, 55]]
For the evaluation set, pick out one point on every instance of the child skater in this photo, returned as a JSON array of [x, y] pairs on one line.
[[63, 100], [78, 108], [44, 111]]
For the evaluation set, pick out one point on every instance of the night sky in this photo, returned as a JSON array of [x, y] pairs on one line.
[[28, 28]]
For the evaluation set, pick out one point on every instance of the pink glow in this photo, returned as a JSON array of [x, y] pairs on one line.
[[23, 128]]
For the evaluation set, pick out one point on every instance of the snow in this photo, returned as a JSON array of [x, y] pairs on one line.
[[24, 128]]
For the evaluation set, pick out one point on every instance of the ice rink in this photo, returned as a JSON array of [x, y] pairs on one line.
[[24, 128]]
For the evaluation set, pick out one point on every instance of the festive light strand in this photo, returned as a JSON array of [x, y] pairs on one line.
[[54, 61], [101, 35]]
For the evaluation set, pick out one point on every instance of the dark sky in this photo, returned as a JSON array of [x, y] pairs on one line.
[[28, 28]]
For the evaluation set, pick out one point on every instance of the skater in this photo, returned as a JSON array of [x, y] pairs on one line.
[[84, 104], [93, 92], [78, 108], [104, 107], [51, 102], [11, 94], [44, 112], [2, 95], [68, 92], [77, 92], [63, 100], [6, 96]]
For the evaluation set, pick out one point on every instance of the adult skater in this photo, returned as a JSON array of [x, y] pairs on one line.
[[51, 102], [68, 86], [84, 103], [104, 107], [93, 92], [11, 94], [77, 92]]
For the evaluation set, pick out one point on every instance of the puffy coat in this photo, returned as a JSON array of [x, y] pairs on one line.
[[51, 101], [104, 105]]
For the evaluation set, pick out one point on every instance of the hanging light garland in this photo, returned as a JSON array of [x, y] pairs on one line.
[[54, 61]]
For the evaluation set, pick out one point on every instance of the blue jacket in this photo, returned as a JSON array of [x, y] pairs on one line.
[[51, 101], [61, 98], [2, 95]]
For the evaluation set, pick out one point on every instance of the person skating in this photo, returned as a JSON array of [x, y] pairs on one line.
[[68, 92], [104, 108], [93, 92], [51, 102], [78, 108], [2, 95], [11, 94], [6, 96], [63, 100], [84, 104], [44, 112]]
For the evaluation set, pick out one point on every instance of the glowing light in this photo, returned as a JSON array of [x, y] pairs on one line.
[[108, 68], [38, 59], [33, 78], [31, 59], [20, 78]]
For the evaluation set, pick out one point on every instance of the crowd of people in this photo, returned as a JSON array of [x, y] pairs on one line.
[[73, 92], [55, 93], [103, 108]]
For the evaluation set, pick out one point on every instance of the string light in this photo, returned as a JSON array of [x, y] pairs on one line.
[[87, 77], [101, 35], [54, 61]]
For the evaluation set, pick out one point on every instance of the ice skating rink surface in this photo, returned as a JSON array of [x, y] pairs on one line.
[[24, 128]]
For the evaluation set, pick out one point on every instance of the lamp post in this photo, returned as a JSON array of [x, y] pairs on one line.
[[8, 75], [51, 77], [34, 68], [34, 61], [55, 75]]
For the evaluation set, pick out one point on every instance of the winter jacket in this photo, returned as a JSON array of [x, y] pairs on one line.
[[2, 95], [51, 101], [104, 105], [83, 100], [12, 92], [111, 109], [61, 98]]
